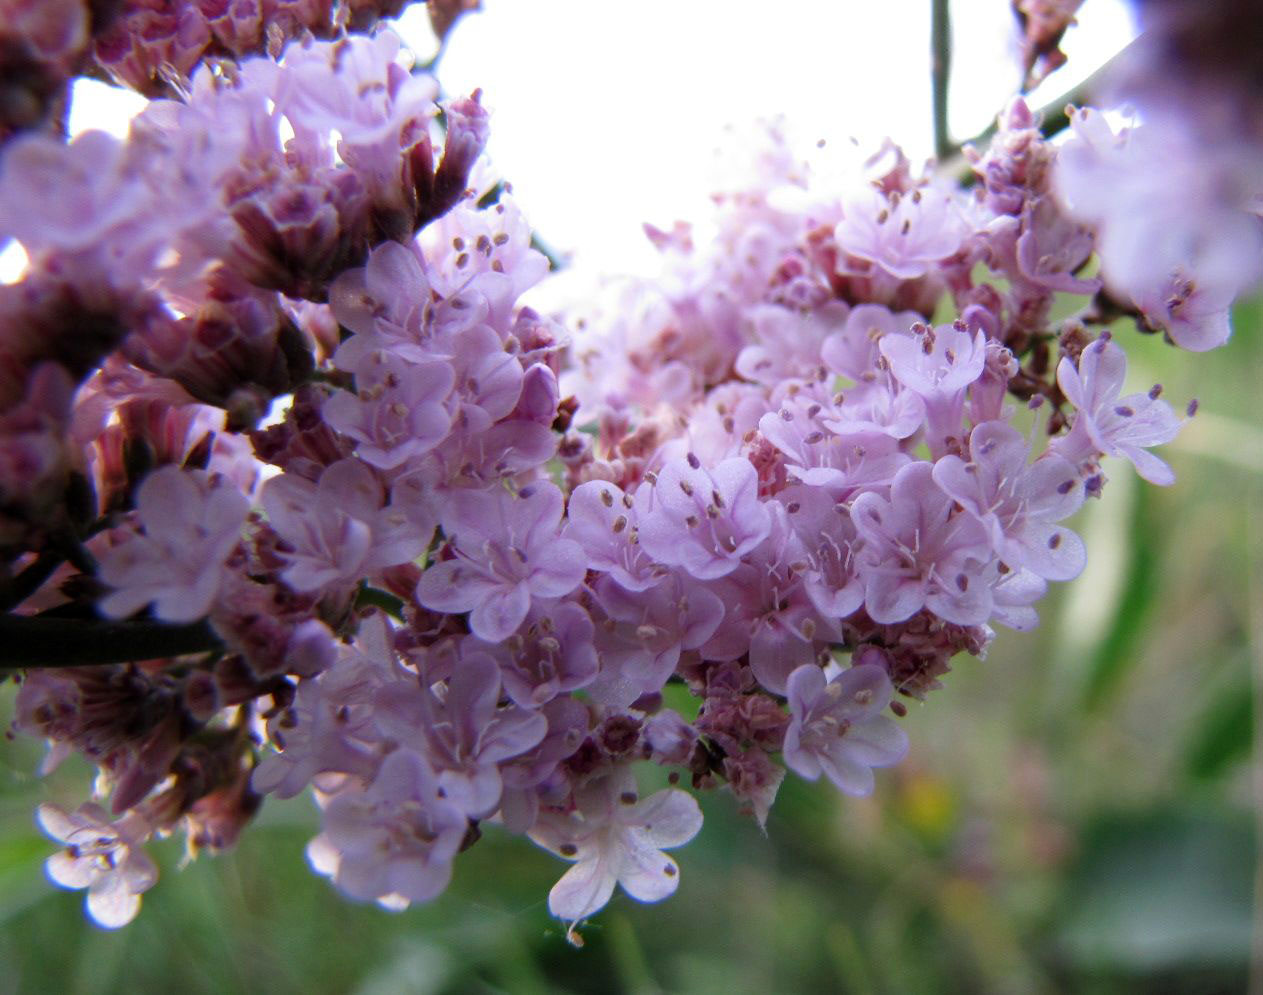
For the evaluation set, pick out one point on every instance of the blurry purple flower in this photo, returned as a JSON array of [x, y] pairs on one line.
[[190, 523], [394, 841]]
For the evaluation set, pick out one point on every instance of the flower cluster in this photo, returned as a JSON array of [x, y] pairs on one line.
[[152, 46], [478, 569]]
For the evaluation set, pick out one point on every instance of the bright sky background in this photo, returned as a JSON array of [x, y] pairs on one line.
[[609, 114]]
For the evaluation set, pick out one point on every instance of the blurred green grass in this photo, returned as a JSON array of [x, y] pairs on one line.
[[1075, 814]]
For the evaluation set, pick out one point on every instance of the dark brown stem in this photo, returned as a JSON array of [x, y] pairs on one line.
[[30, 580], [29, 641]]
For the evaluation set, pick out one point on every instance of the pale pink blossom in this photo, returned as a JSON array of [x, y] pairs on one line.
[[187, 525], [615, 837], [394, 841], [903, 233], [102, 855], [1106, 423], [506, 552], [837, 727]]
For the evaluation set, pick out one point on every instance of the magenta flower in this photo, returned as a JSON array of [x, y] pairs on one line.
[[505, 552], [837, 727], [189, 524], [616, 838]]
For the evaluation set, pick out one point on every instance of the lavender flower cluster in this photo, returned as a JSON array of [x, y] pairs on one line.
[[449, 585]]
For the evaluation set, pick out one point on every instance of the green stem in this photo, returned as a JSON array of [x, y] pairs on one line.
[[940, 74]]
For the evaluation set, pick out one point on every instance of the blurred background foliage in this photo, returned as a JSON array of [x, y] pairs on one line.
[[1077, 812]]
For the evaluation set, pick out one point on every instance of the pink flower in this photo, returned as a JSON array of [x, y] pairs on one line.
[[919, 552], [939, 364], [616, 838], [851, 351], [903, 233], [643, 633], [768, 612], [103, 856], [837, 727], [1017, 503], [394, 841], [336, 531], [397, 412], [465, 731], [1109, 424], [704, 520], [602, 519], [553, 655], [188, 524], [506, 552]]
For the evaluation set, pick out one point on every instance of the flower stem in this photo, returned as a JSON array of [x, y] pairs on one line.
[[28, 641]]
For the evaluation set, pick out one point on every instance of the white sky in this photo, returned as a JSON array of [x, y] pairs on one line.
[[608, 114]]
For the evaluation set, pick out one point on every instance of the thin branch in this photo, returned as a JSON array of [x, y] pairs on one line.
[[30, 579], [940, 74], [1052, 116], [30, 641]]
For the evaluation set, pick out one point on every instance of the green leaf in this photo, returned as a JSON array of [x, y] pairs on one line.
[[1224, 733], [1161, 890], [1116, 654]]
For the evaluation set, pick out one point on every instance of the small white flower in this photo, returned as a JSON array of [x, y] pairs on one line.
[[615, 838], [103, 856]]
